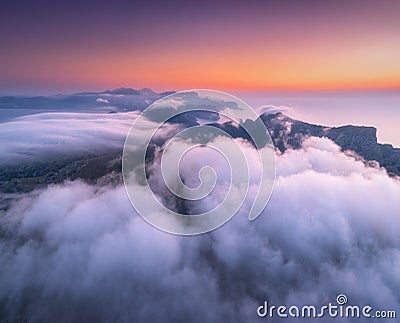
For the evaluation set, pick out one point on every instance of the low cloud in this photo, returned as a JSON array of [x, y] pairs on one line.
[[80, 252], [101, 100], [271, 109]]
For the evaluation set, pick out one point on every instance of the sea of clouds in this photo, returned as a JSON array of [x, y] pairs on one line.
[[57, 135], [79, 252]]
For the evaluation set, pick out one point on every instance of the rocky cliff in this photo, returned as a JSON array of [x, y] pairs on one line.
[[289, 133]]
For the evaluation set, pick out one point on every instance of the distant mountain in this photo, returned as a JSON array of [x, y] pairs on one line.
[[124, 91], [120, 91], [118, 100]]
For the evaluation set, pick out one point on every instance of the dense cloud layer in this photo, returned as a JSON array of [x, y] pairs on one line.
[[52, 136], [79, 252], [57, 135]]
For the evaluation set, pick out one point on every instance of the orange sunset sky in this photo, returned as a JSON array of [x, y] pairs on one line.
[[255, 45]]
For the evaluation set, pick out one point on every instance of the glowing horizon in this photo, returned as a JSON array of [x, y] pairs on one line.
[[256, 46]]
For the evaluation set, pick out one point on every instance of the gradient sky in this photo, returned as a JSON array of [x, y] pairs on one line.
[[63, 46]]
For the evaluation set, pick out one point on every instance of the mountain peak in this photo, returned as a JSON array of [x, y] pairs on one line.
[[146, 90], [129, 91], [122, 91]]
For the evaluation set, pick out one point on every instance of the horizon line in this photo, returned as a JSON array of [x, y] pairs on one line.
[[158, 90]]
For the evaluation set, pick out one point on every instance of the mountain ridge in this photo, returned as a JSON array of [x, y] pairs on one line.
[[286, 133], [289, 133], [117, 100]]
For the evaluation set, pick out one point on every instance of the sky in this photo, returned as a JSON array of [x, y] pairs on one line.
[[63, 46]]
